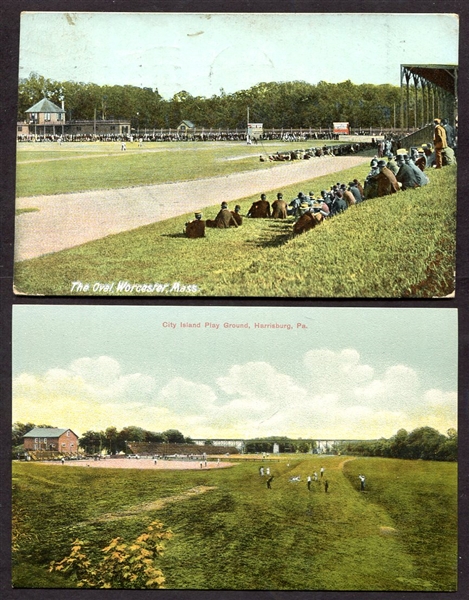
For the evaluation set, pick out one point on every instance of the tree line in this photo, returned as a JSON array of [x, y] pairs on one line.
[[294, 104], [423, 443]]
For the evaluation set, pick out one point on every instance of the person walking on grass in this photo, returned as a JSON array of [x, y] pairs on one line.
[[322, 472], [326, 486], [309, 482], [269, 481], [362, 482]]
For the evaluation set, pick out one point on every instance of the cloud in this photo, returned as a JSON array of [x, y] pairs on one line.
[[185, 397], [334, 395]]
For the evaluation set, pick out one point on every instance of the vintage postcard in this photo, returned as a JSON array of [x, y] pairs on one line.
[[237, 155], [231, 448]]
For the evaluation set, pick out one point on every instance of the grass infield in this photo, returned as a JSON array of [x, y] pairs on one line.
[[400, 534]]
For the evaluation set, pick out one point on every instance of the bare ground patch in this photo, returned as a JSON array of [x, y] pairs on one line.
[[150, 506]]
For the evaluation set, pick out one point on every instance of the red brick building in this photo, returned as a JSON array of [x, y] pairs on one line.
[[52, 439]]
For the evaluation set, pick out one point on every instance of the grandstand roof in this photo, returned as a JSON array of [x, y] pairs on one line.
[[443, 76]]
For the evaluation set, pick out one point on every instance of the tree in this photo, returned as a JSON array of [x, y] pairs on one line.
[[424, 443], [173, 436], [92, 441], [111, 439]]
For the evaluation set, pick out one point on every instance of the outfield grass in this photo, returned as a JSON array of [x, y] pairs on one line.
[[74, 167], [397, 246], [401, 534]]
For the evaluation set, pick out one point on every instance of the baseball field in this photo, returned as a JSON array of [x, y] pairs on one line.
[[95, 220], [221, 527]]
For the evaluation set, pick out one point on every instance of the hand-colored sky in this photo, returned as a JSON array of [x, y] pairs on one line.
[[349, 373], [202, 53]]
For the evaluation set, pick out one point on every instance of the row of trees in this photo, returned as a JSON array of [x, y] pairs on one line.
[[285, 444], [276, 104], [114, 441], [423, 443]]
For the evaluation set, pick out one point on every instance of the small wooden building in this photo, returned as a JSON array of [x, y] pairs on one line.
[[186, 129]]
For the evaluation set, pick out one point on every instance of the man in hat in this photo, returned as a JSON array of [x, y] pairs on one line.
[[195, 228], [419, 158], [338, 204], [422, 179], [449, 132], [391, 164], [406, 176], [439, 142], [347, 195], [353, 188], [279, 208], [224, 218], [237, 215], [386, 181], [370, 182], [260, 209], [307, 221]]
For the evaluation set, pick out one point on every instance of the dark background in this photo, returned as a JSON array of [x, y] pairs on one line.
[[9, 46]]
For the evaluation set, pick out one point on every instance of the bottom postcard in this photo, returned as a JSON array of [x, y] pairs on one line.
[[211, 448]]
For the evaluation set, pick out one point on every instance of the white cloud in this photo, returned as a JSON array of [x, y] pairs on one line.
[[335, 395], [185, 397]]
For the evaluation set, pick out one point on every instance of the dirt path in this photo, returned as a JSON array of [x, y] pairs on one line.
[[67, 220], [150, 506]]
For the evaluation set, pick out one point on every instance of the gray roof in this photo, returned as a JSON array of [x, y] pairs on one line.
[[188, 124], [45, 106], [46, 432]]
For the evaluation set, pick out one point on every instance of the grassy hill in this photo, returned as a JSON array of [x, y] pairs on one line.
[[397, 246], [400, 534]]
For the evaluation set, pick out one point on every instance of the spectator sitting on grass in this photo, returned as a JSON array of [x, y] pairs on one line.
[[338, 204], [224, 218], [236, 214], [195, 228], [260, 209], [448, 155], [352, 186], [371, 187], [419, 174], [406, 176], [391, 164], [347, 195], [279, 208]]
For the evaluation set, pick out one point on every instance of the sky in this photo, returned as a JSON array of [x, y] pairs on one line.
[[204, 53], [334, 373]]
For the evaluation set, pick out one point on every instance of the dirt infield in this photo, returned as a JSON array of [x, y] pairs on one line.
[[143, 463], [66, 220]]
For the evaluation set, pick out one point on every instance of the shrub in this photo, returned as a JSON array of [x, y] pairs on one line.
[[126, 566]]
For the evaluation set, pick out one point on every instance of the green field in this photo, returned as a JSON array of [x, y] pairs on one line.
[[400, 534], [76, 167]]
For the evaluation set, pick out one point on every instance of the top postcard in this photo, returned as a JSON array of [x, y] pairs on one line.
[[243, 155]]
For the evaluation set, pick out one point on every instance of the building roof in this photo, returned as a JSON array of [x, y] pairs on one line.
[[188, 124], [45, 106], [46, 432]]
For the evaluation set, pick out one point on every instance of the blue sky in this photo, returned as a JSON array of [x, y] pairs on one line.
[[342, 373], [202, 53]]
